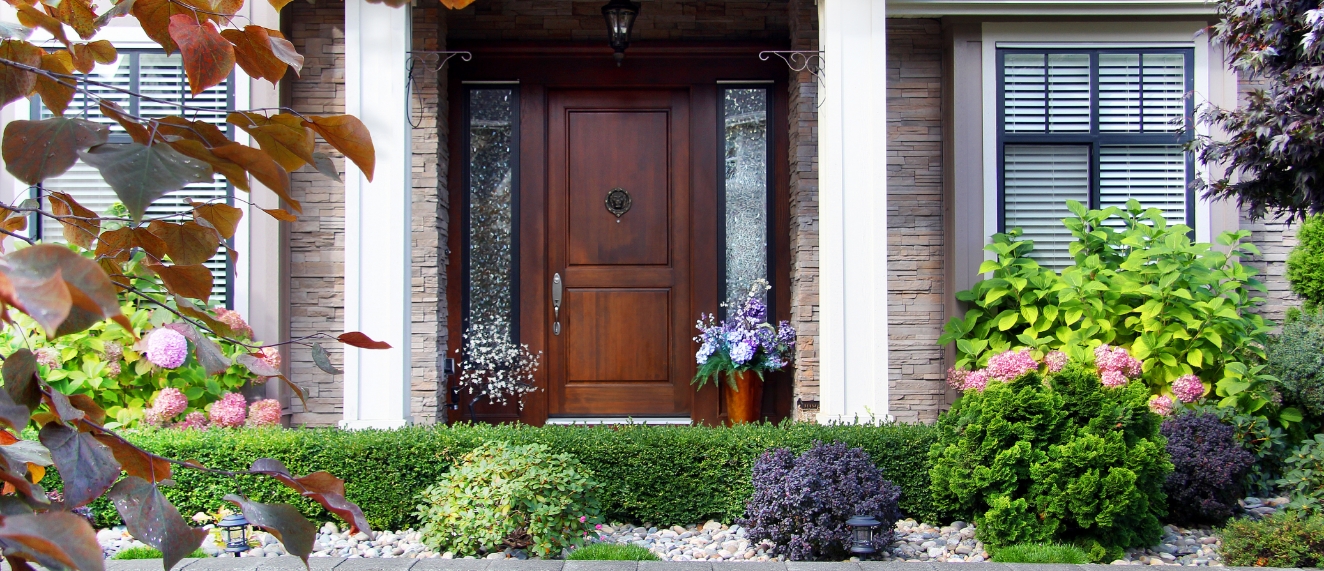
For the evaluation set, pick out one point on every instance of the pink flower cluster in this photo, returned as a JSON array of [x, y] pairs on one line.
[[1115, 365], [270, 356], [113, 353], [49, 356], [1188, 388], [235, 321], [963, 380], [1010, 365], [1161, 405], [265, 412], [193, 421], [230, 412], [1056, 361], [168, 404], [167, 348]]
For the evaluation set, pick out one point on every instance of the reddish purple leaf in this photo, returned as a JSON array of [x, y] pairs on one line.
[[152, 520], [285, 522], [20, 374], [56, 540], [86, 466]]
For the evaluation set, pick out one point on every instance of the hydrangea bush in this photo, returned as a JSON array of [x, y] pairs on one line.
[[1055, 457], [802, 503], [1181, 311], [1209, 467], [744, 341]]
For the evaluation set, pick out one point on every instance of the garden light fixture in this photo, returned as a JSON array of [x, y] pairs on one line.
[[862, 529], [620, 15], [234, 530]]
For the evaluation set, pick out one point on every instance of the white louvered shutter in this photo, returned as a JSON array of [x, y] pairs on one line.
[[1155, 175], [1163, 90], [161, 77], [1038, 182], [1046, 93], [1119, 93]]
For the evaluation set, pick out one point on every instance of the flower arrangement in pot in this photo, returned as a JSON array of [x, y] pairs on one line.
[[742, 348]]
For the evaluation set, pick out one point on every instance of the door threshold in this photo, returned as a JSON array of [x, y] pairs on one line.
[[606, 420]]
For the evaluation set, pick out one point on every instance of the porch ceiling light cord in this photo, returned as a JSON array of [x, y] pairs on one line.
[[415, 57], [799, 60]]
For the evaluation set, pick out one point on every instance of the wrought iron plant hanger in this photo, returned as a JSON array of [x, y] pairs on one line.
[[425, 57]]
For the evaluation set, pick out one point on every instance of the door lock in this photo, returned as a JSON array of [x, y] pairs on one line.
[[556, 304]]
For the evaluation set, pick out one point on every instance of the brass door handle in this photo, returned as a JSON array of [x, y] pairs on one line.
[[556, 304]]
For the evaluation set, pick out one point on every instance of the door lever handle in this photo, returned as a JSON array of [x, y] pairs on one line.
[[556, 304]]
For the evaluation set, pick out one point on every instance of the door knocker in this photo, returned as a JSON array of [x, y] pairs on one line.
[[618, 203]]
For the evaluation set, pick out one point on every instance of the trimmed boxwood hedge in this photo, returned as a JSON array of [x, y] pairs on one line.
[[658, 475]]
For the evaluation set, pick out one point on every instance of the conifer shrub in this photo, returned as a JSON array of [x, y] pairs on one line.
[[1305, 265], [1059, 459], [1208, 469], [801, 503]]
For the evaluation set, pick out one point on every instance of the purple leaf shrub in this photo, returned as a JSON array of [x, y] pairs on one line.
[[1209, 466], [802, 503]]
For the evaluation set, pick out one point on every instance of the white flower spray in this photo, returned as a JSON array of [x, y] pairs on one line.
[[495, 367]]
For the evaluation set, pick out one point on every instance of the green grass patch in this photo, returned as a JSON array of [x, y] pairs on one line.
[[149, 553], [1041, 553], [611, 552]]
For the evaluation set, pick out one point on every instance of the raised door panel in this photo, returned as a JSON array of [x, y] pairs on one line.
[[610, 150]]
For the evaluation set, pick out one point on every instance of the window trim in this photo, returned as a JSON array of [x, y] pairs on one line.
[[770, 188], [466, 144], [36, 192], [1094, 139]]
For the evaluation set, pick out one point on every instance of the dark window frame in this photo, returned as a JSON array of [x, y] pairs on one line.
[[1094, 139], [769, 183], [36, 192], [466, 192]]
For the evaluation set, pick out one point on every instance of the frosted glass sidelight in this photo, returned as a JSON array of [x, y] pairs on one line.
[[491, 129], [746, 185]]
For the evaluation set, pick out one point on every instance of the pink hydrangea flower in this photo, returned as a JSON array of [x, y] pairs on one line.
[[976, 380], [1056, 361], [235, 321], [1010, 365], [956, 378], [1115, 359], [1113, 379], [168, 404], [113, 351], [270, 356], [1161, 405], [193, 421], [1188, 388], [49, 356], [265, 412], [230, 411], [167, 348], [113, 368]]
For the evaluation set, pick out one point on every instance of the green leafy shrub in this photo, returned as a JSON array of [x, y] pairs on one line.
[[1295, 357], [660, 475], [1304, 477], [1061, 460], [1041, 553], [1284, 539], [611, 552], [1269, 445], [1305, 265], [149, 553], [503, 495], [1181, 308], [101, 362]]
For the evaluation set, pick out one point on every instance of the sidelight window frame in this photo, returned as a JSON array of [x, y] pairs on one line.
[[1094, 139], [466, 230], [770, 205]]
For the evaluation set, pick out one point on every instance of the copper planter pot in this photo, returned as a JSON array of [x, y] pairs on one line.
[[744, 403]]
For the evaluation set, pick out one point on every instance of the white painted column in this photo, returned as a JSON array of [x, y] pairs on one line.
[[853, 211], [377, 222]]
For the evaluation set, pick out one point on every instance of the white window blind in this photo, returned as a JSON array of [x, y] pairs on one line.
[[161, 77], [1039, 180], [1153, 175], [1047, 93], [1141, 93]]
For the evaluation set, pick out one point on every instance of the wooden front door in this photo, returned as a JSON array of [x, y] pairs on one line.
[[619, 344]]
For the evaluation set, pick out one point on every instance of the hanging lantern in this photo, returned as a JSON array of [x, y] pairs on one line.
[[862, 530], [620, 15], [234, 531]]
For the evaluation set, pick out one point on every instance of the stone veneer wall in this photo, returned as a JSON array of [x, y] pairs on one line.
[[1275, 239], [803, 153], [317, 239], [916, 389]]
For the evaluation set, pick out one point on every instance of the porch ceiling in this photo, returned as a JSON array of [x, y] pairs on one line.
[[582, 20]]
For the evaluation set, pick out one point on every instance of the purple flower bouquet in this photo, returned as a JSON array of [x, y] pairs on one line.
[[745, 341]]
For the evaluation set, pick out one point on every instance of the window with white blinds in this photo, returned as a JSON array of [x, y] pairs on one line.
[[1099, 126], [155, 75]]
